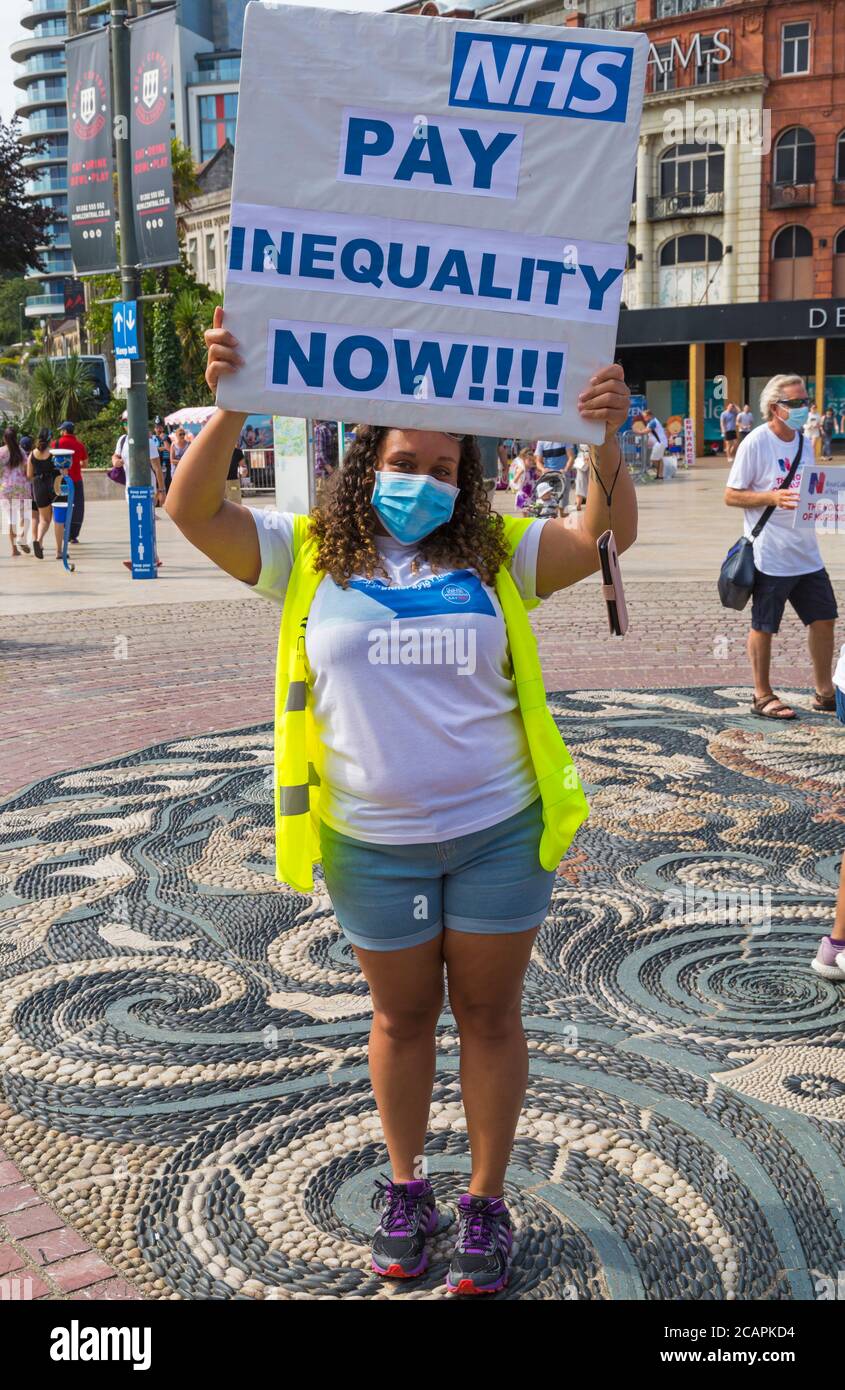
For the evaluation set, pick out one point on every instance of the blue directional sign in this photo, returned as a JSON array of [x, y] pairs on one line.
[[125, 328], [142, 531]]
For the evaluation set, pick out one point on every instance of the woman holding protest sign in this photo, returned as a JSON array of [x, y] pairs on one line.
[[405, 656]]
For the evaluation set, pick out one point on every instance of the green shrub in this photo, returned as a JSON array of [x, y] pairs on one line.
[[102, 433]]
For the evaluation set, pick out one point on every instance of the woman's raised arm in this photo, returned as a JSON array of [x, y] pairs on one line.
[[224, 531]]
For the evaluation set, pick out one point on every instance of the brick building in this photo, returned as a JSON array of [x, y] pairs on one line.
[[736, 254]]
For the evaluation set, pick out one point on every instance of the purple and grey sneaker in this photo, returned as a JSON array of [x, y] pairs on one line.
[[481, 1259], [830, 959], [408, 1217]]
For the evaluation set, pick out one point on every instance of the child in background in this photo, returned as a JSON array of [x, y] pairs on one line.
[[582, 475], [528, 478]]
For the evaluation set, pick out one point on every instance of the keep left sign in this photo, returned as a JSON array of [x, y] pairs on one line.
[[443, 248]]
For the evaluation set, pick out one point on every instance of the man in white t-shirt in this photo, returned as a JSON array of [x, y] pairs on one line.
[[787, 561], [121, 456], [658, 439]]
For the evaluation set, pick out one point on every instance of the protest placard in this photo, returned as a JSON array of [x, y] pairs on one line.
[[430, 218], [821, 499]]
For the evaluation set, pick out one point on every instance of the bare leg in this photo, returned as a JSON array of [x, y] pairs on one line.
[[485, 975], [838, 933], [760, 656], [820, 643], [15, 550], [406, 988], [45, 516]]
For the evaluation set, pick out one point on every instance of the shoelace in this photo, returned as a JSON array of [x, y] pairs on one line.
[[478, 1231], [403, 1211]]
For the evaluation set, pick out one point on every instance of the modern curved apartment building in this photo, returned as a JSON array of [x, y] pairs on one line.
[[40, 77]]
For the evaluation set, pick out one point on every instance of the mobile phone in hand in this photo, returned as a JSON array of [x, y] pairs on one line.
[[614, 594]]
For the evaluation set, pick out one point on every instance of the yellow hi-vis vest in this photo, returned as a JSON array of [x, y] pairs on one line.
[[297, 746]]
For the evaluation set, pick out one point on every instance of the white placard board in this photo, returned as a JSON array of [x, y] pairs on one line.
[[429, 218], [821, 498]]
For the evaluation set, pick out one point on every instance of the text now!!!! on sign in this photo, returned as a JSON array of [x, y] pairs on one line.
[[401, 365]]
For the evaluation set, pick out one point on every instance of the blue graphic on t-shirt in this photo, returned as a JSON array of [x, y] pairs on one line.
[[458, 592]]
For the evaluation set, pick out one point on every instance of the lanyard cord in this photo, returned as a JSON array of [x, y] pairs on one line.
[[608, 496]]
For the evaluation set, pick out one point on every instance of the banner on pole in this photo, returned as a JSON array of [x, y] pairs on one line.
[[90, 160], [515, 143], [151, 56], [821, 499]]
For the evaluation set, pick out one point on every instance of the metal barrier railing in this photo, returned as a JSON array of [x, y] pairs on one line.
[[635, 452], [262, 471]]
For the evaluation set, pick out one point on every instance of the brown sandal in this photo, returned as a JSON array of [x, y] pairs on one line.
[[824, 704], [769, 707]]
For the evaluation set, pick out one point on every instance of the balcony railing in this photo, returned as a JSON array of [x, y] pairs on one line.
[[839, 191], [201, 78], [614, 17], [49, 155], [40, 306], [38, 186], [42, 8], [42, 123], [792, 195], [685, 205]]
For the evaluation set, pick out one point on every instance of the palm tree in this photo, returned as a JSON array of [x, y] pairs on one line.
[[62, 390], [190, 319]]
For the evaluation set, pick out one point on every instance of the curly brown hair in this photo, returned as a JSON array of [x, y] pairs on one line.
[[344, 521]]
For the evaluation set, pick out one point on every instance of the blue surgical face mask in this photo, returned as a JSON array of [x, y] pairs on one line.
[[412, 505], [796, 416]]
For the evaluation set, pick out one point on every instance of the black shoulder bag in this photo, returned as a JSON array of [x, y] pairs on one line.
[[736, 577]]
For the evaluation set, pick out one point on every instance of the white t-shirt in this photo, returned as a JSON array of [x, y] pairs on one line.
[[122, 448], [761, 464], [745, 420], [657, 432], [813, 426], [412, 692]]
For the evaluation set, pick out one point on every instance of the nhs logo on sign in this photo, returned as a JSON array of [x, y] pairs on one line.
[[545, 77]]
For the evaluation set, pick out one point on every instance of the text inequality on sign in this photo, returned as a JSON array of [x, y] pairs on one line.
[[430, 369], [493, 233], [389, 258]]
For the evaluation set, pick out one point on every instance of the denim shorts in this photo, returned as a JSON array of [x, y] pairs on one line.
[[388, 897]]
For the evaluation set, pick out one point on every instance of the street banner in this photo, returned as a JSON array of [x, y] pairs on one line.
[[821, 499], [151, 49], [90, 160], [446, 251], [74, 299]]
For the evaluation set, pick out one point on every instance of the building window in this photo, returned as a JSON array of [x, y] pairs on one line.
[[662, 68], [690, 172], [690, 271], [840, 158], [708, 68], [225, 248], [839, 265], [795, 49], [210, 253], [792, 264], [795, 156], [192, 253], [218, 118]]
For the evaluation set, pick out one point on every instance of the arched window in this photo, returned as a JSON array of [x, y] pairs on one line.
[[839, 265], [792, 264], [795, 156], [690, 270], [840, 158], [689, 172]]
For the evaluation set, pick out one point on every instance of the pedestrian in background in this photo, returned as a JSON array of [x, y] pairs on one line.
[[582, 475], [68, 440], [553, 457], [15, 491], [120, 459], [727, 425], [658, 439], [744, 423], [238, 469], [179, 446], [42, 473], [828, 429], [164, 446], [788, 567], [813, 430]]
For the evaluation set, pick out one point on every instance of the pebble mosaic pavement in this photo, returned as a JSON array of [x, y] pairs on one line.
[[183, 1042]]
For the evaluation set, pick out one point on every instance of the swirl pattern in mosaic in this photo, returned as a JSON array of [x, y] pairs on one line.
[[183, 1041]]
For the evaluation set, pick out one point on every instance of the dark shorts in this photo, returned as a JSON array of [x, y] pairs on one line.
[[730, 434], [811, 595]]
